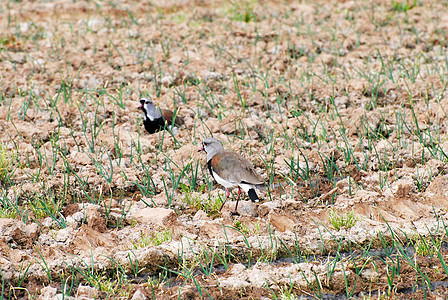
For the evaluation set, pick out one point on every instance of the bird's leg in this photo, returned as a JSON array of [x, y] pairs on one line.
[[237, 199], [227, 196]]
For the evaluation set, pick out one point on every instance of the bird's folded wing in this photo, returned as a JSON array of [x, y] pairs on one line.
[[168, 115], [235, 168]]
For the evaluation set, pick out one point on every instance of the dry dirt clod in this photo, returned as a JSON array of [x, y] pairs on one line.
[[160, 217], [95, 220], [17, 231]]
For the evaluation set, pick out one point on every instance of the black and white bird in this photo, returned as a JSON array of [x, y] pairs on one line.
[[230, 169], [156, 119]]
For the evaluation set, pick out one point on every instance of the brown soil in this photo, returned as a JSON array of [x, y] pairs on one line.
[[354, 92]]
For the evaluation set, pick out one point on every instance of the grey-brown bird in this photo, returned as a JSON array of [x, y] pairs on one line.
[[230, 169], [156, 119]]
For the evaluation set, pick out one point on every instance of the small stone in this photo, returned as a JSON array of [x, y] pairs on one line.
[[63, 234], [139, 295], [48, 293], [370, 275], [86, 292]]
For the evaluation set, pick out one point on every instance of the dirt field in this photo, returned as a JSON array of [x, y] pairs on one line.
[[341, 106]]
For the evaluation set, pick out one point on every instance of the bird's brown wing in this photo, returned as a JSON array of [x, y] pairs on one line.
[[168, 115], [235, 168]]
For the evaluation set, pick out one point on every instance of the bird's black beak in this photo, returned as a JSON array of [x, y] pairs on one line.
[[202, 149]]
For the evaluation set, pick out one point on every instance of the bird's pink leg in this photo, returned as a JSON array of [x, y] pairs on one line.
[[227, 196], [237, 199]]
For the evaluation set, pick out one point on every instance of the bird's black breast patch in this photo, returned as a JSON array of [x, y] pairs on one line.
[[210, 169], [155, 125]]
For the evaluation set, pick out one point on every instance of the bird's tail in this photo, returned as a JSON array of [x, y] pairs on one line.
[[253, 195]]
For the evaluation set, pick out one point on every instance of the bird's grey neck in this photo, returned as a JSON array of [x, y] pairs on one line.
[[212, 152], [152, 113]]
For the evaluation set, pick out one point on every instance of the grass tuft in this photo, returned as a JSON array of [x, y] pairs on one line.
[[155, 238], [346, 220], [6, 164]]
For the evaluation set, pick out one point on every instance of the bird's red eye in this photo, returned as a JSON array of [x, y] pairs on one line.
[[147, 102]]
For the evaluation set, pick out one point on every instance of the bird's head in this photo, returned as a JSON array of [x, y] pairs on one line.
[[211, 146], [149, 109]]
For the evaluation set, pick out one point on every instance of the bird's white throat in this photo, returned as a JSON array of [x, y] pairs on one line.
[[152, 112]]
